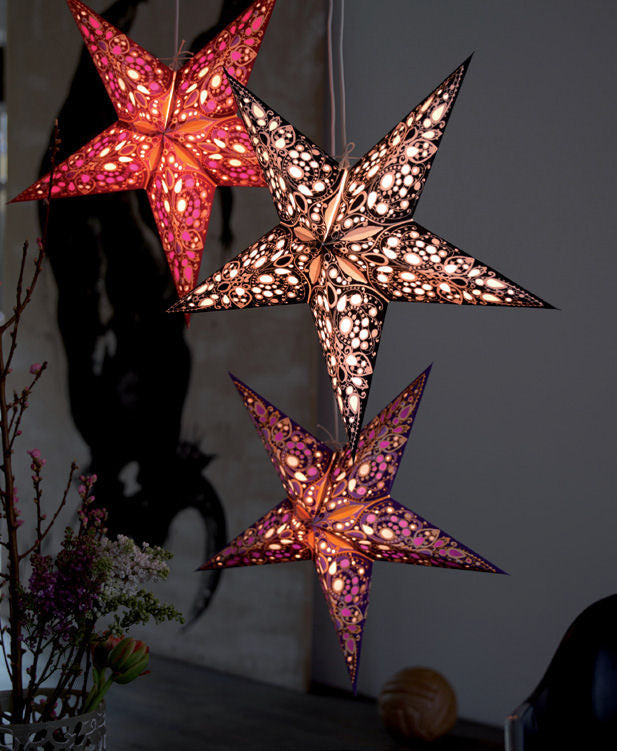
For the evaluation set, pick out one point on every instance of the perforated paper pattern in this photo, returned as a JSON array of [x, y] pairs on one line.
[[339, 513], [177, 136], [347, 244]]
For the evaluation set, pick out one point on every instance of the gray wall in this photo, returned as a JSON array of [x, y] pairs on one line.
[[513, 449]]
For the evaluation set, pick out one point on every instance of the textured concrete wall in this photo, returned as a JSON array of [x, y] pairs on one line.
[[259, 622]]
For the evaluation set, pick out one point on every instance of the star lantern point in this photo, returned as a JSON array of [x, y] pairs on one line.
[[338, 512], [178, 135]]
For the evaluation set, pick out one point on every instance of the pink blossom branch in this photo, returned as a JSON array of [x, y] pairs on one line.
[[38, 264], [21, 305], [9, 497], [40, 537], [37, 467], [12, 523], [21, 403], [20, 280]]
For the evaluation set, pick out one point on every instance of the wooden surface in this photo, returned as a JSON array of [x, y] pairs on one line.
[[183, 707]]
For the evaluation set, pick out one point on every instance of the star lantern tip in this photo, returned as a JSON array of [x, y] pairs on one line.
[[547, 305], [241, 387], [177, 137], [339, 512]]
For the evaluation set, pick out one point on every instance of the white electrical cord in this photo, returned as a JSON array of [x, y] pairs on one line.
[[345, 147], [341, 66], [177, 28], [331, 80], [341, 82]]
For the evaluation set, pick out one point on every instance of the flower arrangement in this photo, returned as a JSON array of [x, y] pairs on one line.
[[68, 613]]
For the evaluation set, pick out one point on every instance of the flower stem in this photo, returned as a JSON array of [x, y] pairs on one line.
[[15, 618]]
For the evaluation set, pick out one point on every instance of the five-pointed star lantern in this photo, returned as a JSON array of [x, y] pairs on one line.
[[346, 244], [339, 512], [177, 136]]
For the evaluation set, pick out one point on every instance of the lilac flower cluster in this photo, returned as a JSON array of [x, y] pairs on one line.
[[91, 576], [61, 601], [63, 595], [132, 566]]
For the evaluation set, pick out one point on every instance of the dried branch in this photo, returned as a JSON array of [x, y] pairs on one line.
[[22, 404], [40, 537], [9, 497]]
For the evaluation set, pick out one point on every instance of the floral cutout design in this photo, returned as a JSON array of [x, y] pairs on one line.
[[339, 513], [347, 244], [177, 136]]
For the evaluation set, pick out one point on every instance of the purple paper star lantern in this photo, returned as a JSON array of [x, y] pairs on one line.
[[339, 512]]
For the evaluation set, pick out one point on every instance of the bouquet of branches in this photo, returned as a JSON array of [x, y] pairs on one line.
[[57, 603]]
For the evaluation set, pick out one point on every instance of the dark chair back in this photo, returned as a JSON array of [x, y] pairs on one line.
[[575, 703]]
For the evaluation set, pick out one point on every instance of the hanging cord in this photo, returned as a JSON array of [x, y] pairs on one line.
[[331, 80], [177, 28], [346, 156], [335, 415], [180, 54], [346, 148], [332, 442], [341, 68]]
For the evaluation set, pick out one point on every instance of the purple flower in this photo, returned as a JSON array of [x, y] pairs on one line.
[[63, 594], [36, 368]]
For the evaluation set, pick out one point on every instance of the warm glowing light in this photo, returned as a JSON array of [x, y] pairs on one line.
[[205, 143], [339, 513], [349, 239]]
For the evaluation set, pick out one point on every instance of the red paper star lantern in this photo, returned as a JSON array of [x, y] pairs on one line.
[[339, 513], [177, 134], [346, 244]]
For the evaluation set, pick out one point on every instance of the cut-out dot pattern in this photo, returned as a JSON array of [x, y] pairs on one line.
[[347, 245], [273, 270], [301, 461], [385, 185], [339, 512], [139, 84], [349, 317], [116, 159], [177, 136], [410, 264], [181, 200], [303, 180], [278, 537]]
